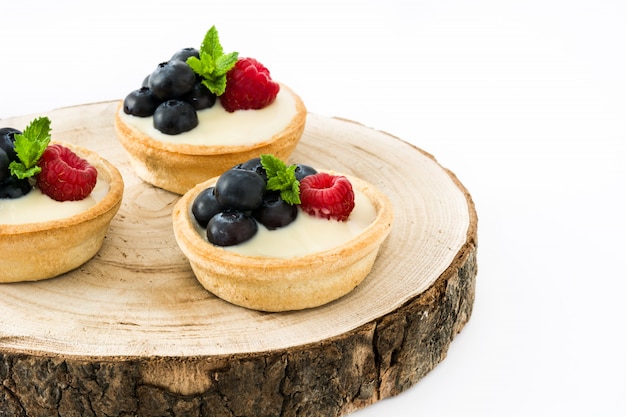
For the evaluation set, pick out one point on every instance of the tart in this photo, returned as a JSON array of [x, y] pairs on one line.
[[202, 111], [177, 166], [277, 283], [40, 250]]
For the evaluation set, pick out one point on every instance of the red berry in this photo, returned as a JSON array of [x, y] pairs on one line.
[[64, 175], [248, 86], [328, 196]]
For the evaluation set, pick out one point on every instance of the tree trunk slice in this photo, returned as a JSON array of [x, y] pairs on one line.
[[132, 333]]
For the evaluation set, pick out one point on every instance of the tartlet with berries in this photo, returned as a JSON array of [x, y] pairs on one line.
[[56, 203], [199, 113], [272, 237]]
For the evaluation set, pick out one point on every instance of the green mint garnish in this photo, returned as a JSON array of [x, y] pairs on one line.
[[213, 63], [281, 177], [29, 147]]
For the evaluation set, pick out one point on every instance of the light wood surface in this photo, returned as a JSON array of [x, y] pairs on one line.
[[137, 307]]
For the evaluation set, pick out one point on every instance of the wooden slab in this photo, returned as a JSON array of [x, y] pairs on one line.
[[132, 332]]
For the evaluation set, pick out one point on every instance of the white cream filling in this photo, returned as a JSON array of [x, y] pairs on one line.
[[307, 234], [37, 207], [216, 126]]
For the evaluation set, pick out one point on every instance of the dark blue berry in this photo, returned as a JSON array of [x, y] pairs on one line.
[[141, 102], [171, 79], [240, 189], [255, 165], [205, 206], [231, 227], [7, 141], [185, 53], [175, 116], [4, 165], [304, 171], [200, 97], [13, 187], [275, 212]]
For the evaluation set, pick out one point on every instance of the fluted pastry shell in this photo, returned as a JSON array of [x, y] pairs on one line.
[[178, 167], [41, 250], [278, 284]]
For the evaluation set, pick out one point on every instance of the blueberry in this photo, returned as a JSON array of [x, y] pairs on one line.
[[231, 227], [146, 81], [255, 165], [304, 171], [200, 97], [4, 165], [275, 212], [7, 140], [141, 102], [175, 116], [240, 189], [205, 206], [171, 79], [185, 53], [13, 187]]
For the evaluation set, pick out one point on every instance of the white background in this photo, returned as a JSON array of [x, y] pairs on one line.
[[525, 101]]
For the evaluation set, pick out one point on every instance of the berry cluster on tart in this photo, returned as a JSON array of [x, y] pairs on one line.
[[272, 237], [28, 159], [201, 111], [55, 199]]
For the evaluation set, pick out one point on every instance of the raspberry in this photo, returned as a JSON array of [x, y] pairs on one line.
[[64, 175], [248, 86], [328, 196]]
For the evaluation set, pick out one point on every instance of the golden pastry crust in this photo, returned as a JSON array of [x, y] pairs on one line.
[[179, 167], [276, 284], [36, 251]]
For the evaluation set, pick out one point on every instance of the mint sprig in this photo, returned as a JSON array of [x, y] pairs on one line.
[[213, 64], [29, 146], [281, 177]]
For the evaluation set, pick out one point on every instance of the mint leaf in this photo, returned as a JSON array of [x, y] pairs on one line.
[[21, 172], [281, 177], [213, 64], [224, 63], [216, 85], [211, 44], [200, 67], [272, 165], [29, 146]]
